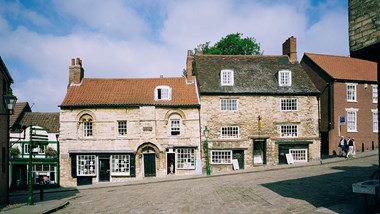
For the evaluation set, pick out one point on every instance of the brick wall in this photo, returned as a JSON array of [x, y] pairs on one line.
[[364, 105]]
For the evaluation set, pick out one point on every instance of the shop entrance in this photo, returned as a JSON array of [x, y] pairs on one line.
[[104, 169], [259, 151]]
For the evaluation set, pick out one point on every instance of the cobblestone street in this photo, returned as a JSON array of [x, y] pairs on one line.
[[325, 188]]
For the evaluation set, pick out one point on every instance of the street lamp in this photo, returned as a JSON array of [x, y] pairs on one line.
[[10, 103], [208, 170]]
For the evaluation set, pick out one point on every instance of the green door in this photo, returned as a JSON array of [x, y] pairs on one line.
[[239, 155], [104, 169], [149, 165]]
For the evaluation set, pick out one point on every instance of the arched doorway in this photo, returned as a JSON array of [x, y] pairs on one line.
[[149, 153]]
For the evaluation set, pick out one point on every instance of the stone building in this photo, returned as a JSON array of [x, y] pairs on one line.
[[5, 83], [348, 99], [257, 109], [364, 29], [115, 130]]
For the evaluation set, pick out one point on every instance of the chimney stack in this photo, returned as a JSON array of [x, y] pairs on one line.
[[289, 48], [76, 72], [189, 67]]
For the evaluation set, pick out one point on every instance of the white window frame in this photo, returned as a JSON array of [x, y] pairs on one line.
[[121, 165], [229, 104], [221, 156], [289, 131], [185, 158], [41, 149], [230, 132], [122, 128], [375, 120], [351, 93], [227, 77], [175, 127], [162, 92], [352, 120], [84, 164], [88, 130], [374, 93], [289, 104], [299, 155], [285, 78]]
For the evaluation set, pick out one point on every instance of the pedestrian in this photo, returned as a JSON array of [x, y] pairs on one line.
[[342, 146], [353, 152], [350, 144]]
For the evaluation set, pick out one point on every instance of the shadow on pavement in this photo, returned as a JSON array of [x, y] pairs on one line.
[[332, 191], [20, 198]]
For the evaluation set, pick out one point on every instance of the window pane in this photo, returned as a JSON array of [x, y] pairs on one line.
[[351, 92], [120, 165], [227, 77], [87, 128], [228, 104], [351, 121], [375, 122], [175, 126], [221, 157], [285, 78], [230, 132], [185, 158], [289, 104], [374, 94], [289, 131], [86, 165], [122, 127]]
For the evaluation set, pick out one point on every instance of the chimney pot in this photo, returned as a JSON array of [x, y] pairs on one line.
[[76, 72]]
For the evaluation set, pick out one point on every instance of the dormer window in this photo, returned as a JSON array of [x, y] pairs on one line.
[[285, 78], [163, 93], [227, 77]]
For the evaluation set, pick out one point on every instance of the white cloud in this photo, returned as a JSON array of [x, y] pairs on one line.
[[113, 39]]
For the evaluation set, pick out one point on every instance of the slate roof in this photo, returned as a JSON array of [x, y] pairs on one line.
[[253, 74], [93, 92], [49, 121], [20, 109], [344, 67]]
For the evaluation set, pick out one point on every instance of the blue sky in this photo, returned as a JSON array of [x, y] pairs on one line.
[[148, 38]]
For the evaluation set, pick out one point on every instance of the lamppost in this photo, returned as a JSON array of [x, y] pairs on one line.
[[10, 102], [208, 170]]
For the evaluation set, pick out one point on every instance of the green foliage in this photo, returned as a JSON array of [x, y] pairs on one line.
[[14, 151], [232, 44], [51, 152]]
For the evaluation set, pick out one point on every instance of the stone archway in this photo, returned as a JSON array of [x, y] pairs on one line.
[[149, 156]]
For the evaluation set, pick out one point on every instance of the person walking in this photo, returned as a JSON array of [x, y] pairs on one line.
[[350, 144], [342, 146]]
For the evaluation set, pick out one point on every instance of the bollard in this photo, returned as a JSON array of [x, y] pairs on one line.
[[41, 191], [373, 145], [362, 147]]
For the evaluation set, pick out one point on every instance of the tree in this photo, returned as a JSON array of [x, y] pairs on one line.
[[232, 44]]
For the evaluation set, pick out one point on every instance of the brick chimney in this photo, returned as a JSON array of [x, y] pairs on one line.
[[189, 67], [76, 72], [289, 48]]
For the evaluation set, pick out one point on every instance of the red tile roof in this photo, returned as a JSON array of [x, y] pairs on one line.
[[345, 68], [122, 92]]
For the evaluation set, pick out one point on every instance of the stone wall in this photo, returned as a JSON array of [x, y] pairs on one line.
[[364, 23], [145, 124], [268, 107]]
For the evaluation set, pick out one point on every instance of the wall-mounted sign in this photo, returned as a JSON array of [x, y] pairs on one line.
[[147, 129]]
